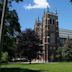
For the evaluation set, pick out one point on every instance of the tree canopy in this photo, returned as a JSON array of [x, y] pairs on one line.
[[11, 28], [29, 45]]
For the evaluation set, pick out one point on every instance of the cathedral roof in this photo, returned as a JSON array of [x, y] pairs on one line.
[[65, 33]]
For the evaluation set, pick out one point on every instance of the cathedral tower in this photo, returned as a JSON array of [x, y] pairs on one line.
[[50, 37], [48, 32]]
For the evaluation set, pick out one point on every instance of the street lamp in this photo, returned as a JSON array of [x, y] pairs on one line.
[[1, 25]]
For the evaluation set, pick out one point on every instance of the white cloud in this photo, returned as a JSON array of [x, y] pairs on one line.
[[38, 4]]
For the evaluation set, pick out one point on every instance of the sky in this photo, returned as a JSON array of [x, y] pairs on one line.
[[29, 10]]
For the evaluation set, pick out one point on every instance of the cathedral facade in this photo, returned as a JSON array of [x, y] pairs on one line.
[[51, 36], [48, 33]]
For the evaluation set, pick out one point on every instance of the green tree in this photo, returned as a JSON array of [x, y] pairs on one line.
[[70, 0], [60, 53], [67, 54], [64, 54], [29, 45], [11, 28], [4, 57]]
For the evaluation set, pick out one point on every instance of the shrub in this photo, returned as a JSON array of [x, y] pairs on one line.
[[4, 57]]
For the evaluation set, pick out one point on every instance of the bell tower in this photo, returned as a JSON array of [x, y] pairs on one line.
[[50, 35]]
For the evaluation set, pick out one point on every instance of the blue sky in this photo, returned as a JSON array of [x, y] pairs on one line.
[[29, 10]]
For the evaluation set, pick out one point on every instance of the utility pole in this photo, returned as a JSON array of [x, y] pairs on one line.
[[1, 25]]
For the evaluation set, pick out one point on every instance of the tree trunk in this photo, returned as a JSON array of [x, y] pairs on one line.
[[30, 61], [2, 23]]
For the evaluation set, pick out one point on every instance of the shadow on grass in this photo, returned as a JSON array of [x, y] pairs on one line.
[[18, 70]]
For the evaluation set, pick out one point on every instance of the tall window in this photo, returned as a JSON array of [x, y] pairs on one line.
[[51, 21]]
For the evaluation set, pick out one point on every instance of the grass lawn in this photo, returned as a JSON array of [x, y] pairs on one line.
[[49, 67]]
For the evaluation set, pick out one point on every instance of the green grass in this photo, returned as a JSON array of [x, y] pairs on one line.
[[49, 67]]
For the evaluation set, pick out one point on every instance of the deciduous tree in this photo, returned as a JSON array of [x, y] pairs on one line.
[[29, 45], [11, 27]]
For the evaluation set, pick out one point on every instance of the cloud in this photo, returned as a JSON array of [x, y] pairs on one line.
[[38, 4]]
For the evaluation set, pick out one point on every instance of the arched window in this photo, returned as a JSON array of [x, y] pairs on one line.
[[53, 21], [50, 21]]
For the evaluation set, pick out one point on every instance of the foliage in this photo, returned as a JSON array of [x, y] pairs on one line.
[[64, 54], [15, 1], [10, 31], [70, 0], [67, 55], [28, 45], [11, 28], [59, 54], [4, 57], [51, 58]]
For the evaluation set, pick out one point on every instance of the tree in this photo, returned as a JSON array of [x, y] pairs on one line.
[[4, 57], [67, 54], [60, 54], [10, 31], [64, 54], [11, 28], [70, 0], [29, 45]]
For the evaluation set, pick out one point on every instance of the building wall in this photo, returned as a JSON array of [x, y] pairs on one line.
[[38, 29], [52, 36], [65, 36], [49, 34]]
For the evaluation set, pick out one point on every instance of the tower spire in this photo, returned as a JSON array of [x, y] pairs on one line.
[[35, 20], [47, 9], [44, 11], [38, 19], [56, 11]]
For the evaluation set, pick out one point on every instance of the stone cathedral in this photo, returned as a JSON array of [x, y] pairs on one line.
[[48, 33]]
